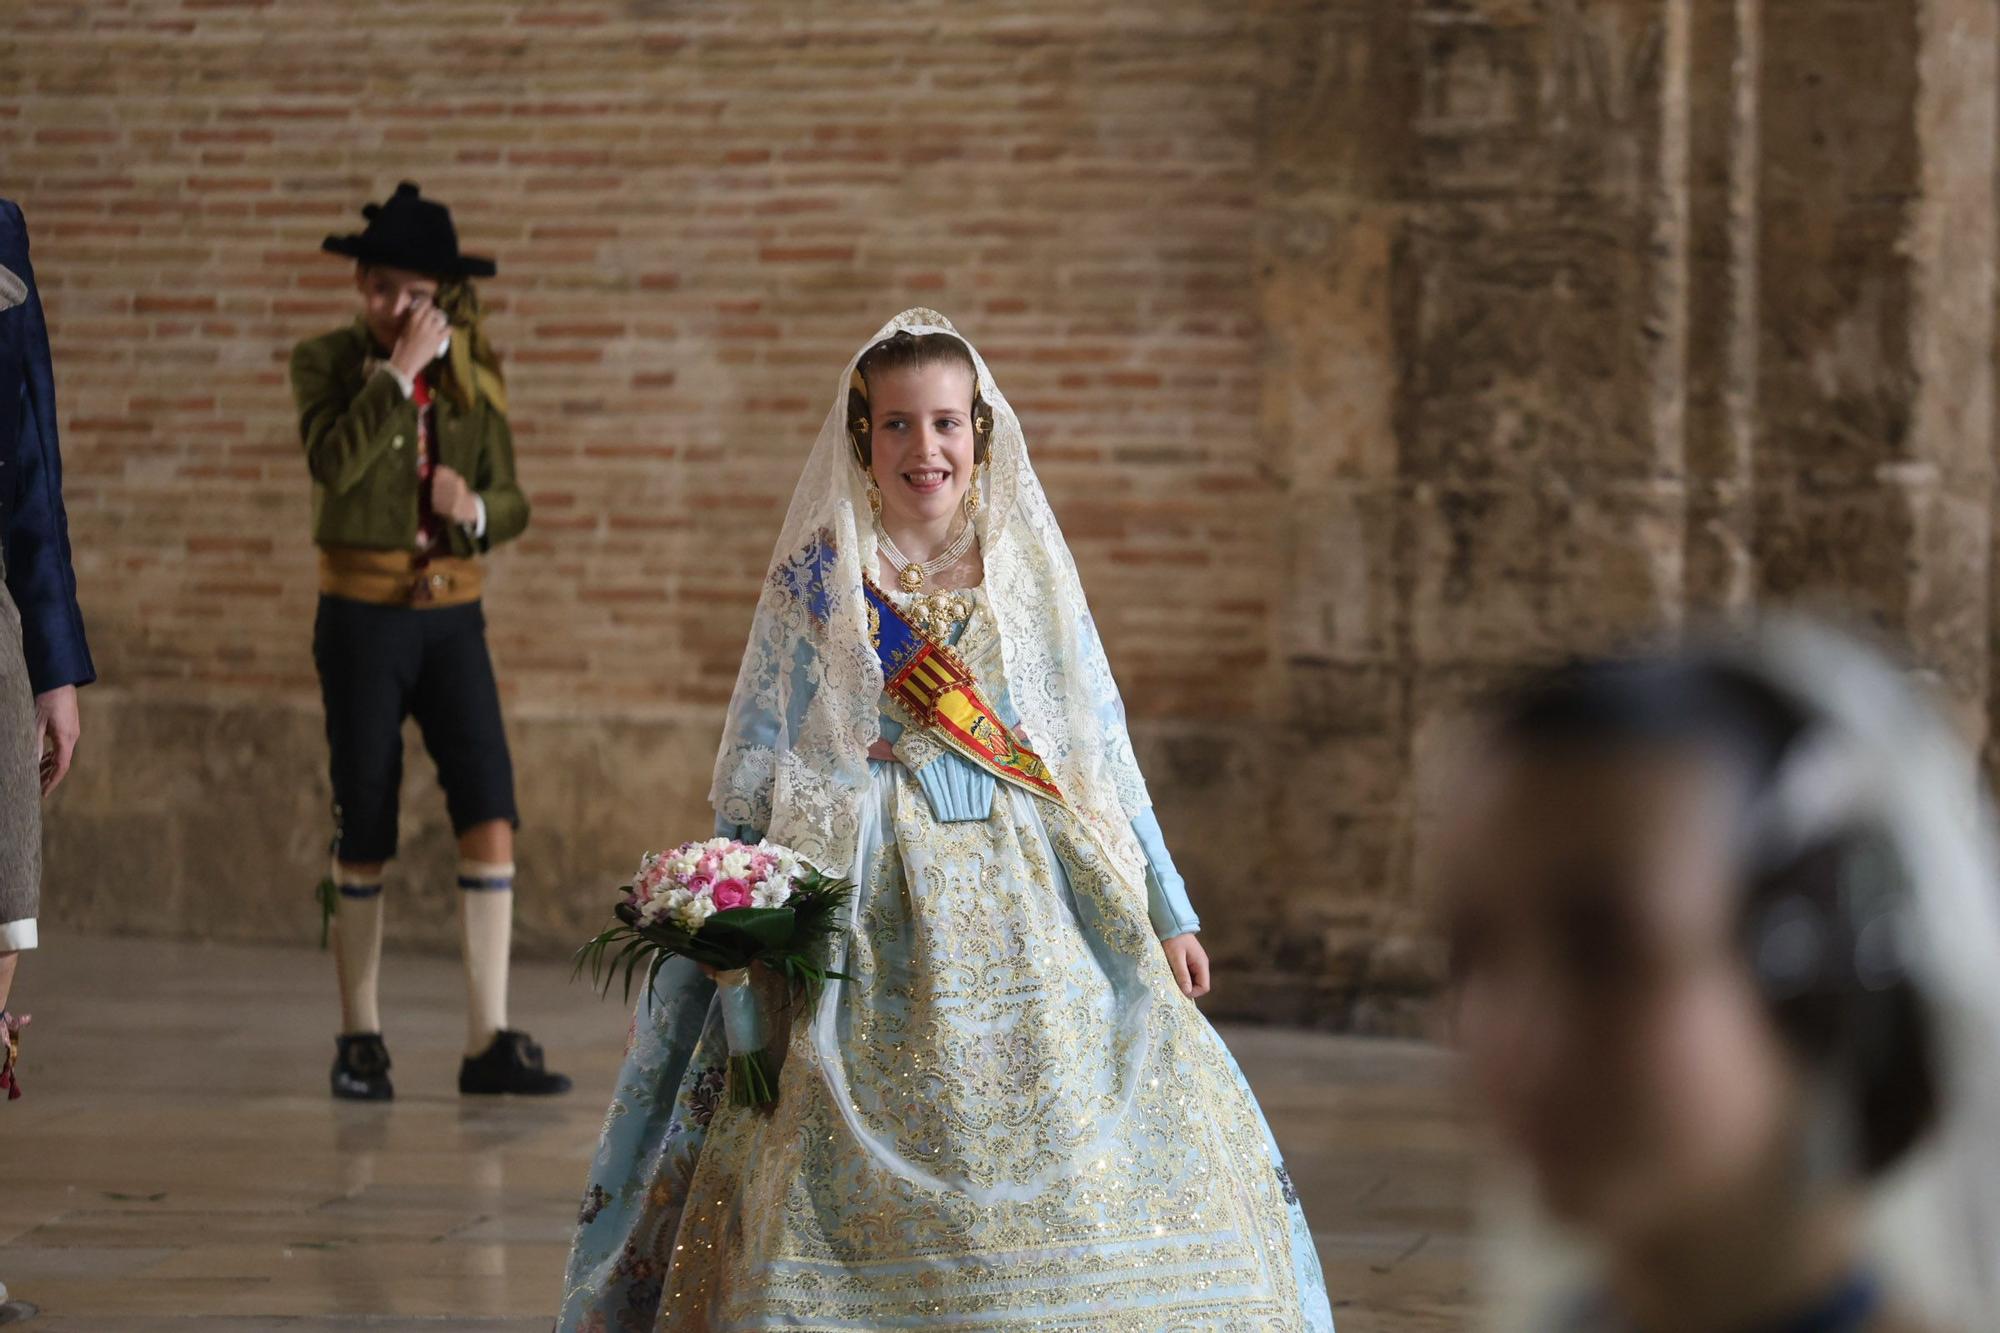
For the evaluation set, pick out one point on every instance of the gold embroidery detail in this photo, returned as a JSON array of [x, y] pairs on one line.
[[938, 614], [974, 1046]]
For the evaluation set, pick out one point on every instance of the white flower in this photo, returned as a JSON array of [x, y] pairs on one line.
[[718, 844], [666, 905], [694, 910], [736, 865], [772, 892]]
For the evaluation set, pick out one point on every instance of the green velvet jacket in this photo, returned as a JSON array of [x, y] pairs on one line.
[[360, 437]]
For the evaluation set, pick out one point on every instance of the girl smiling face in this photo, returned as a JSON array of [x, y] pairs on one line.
[[922, 444]]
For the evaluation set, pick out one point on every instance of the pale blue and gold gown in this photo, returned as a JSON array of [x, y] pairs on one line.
[[1009, 1119]]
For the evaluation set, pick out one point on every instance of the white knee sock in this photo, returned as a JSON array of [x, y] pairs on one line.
[[357, 949], [486, 913]]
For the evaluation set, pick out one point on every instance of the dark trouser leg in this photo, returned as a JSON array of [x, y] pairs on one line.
[[457, 706], [368, 658]]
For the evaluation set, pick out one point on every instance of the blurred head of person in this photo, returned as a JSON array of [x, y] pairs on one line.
[[1695, 903]]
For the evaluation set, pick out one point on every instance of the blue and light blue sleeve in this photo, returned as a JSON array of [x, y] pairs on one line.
[[762, 728], [1166, 892]]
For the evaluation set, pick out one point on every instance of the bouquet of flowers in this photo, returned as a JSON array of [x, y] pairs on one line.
[[726, 904]]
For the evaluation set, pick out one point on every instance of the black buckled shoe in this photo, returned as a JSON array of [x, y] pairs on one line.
[[513, 1063], [361, 1069]]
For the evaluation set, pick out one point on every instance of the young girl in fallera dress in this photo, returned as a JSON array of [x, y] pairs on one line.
[[1013, 1116]]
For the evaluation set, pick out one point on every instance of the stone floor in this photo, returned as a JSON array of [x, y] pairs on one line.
[[177, 1164]]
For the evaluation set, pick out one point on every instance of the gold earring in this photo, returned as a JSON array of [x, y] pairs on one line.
[[874, 498], [972, 500]]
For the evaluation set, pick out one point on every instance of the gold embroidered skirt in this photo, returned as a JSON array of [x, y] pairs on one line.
[[1009, 1119]]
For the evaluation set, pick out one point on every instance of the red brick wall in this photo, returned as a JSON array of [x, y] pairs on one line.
[[1367, 347], [699, 209]]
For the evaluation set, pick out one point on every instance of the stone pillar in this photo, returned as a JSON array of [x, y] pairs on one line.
[[1473, 258], [1585, 319], [1337, 125], [1874, 414], [1720, 323]]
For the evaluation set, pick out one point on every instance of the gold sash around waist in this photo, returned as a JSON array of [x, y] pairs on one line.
[[397, 578]]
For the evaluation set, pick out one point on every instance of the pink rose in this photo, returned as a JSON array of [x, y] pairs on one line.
[[701, 881], [731, 893]]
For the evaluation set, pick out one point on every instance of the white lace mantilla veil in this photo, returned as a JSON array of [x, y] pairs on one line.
[[1934, 1220], [794, 755]]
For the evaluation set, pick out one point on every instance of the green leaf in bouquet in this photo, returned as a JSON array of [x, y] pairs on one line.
[[587, 956], [820, 909], [628, 957], [653, 975], [615, 948], [755, 928], [804, 975], [723, 957]]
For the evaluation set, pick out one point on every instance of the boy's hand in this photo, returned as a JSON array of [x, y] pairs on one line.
[[451, 497], [423, 333]]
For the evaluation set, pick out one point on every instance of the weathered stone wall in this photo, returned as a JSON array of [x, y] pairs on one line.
[[1368, 348], [1585, 319]]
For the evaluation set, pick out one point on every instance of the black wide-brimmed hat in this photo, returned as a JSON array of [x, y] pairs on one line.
[[414, 233]]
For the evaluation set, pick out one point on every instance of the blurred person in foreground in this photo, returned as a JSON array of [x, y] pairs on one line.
[[1726, 944]]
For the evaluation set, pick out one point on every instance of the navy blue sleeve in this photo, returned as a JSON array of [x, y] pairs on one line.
[[39, 575]]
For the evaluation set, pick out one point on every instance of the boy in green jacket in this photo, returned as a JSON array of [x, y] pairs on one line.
[[403, 414]]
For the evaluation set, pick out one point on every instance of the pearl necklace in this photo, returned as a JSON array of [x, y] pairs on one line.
[[913, 576]]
